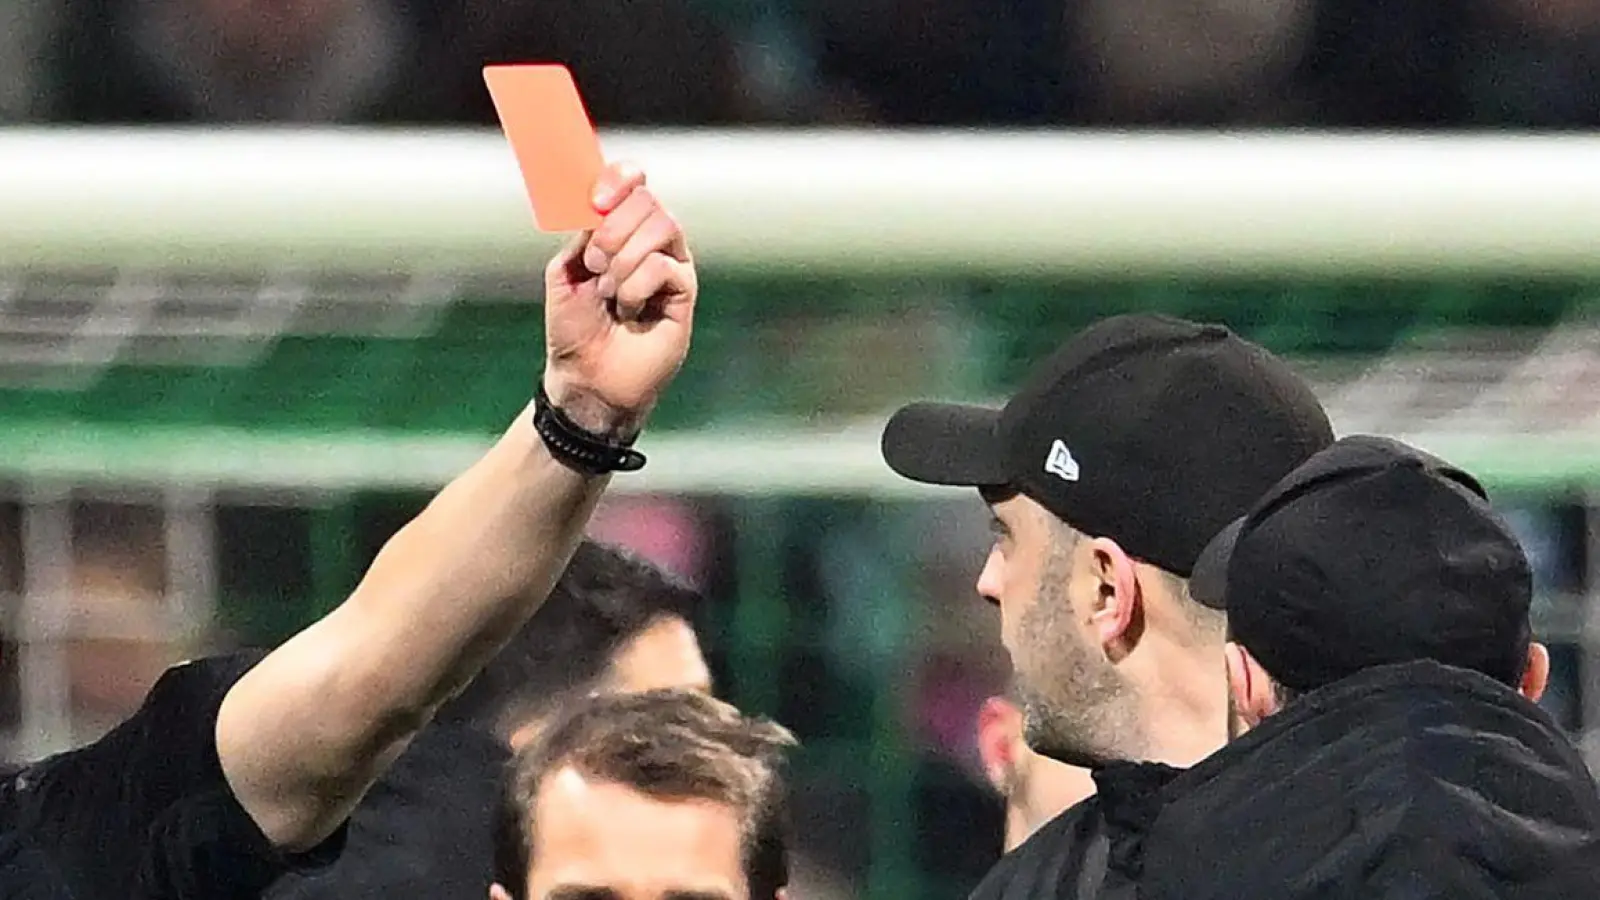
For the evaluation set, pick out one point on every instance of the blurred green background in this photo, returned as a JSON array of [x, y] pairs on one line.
[[845, 611]]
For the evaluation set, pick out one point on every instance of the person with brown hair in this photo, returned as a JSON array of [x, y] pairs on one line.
[[663, 795]]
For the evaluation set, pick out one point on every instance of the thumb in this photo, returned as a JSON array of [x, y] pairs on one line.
[[567, 267]]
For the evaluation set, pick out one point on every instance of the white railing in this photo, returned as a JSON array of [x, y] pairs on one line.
[[840, 202]]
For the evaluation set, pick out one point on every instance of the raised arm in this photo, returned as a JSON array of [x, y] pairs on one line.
[[304, 734]]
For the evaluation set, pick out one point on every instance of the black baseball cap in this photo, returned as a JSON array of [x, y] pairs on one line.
[[1150, 430], [1372, 553]]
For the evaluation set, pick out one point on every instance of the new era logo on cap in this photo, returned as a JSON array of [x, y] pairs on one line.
[[1060, 462]]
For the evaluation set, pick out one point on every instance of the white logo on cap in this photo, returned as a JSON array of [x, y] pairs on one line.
[[1060, 462]]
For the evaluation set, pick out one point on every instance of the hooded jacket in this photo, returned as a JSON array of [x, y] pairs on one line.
[[1407, 782]]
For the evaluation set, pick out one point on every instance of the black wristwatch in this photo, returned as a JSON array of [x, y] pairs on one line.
[[577, 447]]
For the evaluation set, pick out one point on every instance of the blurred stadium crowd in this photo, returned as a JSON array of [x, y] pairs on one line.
[[1332, 63]]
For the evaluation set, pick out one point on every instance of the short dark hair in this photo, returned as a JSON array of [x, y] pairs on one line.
[[673, 744], [605, 598]]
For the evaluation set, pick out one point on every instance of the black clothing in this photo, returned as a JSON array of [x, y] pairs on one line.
[[1413, 782], [1065, 858], [1371, 553], [424, 831], [145, 813]]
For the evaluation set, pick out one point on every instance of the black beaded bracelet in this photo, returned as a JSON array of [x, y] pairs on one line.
[[577, 447]]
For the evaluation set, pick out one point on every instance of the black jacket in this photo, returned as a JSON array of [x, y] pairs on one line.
[[1065, 857], [1410, 782]]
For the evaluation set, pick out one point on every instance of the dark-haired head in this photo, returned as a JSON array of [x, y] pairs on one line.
[[614, 621]]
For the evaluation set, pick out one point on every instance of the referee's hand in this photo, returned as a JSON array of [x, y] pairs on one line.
[[619, 306]]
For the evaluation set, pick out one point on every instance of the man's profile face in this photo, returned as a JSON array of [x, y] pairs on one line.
[[1060, 677], [595, 840]]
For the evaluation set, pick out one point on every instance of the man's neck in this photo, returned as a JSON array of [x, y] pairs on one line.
[[1184, 711], [1019, 824], [1042, 789]]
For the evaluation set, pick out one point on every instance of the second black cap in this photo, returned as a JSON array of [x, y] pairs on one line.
[[1373, 552]]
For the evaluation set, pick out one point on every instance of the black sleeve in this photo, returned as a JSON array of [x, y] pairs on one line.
[[148, 806]]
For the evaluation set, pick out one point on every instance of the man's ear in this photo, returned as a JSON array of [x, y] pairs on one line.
[[1536, 676], [783, 893], [1117, 617], [496, 892], [999, 731], [1251, 686]]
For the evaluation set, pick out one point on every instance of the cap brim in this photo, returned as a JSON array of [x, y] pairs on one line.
[[1208, 581], [946, 443]]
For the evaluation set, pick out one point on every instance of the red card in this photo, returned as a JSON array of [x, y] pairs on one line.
[[553, 139]]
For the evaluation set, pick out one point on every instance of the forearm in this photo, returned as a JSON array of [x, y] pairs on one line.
[[304, 734]]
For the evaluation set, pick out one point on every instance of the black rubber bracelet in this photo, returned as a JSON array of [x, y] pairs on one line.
[[578, 448]]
